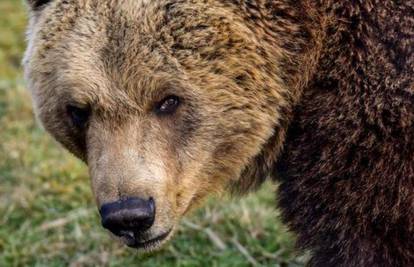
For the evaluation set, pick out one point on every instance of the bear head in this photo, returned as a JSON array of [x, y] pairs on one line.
[[165, 101]]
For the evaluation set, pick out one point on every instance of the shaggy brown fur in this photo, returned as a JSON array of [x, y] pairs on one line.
[[347, 171], [339, 71]]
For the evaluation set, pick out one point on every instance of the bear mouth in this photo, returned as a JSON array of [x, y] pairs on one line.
[[132, 242]]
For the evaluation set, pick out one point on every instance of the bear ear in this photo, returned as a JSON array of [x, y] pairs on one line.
[[37, 4]]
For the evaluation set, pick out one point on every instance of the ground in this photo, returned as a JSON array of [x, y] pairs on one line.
[[48, 214]]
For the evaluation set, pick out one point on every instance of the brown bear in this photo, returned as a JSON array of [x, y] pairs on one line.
[[168, 101]]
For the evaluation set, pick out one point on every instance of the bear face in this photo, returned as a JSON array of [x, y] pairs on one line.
[[163, 100]]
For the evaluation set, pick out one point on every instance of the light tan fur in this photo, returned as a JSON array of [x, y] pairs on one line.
[[121, 57]]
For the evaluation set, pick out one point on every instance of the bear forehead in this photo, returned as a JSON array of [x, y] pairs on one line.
[[122, 29], [118, 34], [95, 52], [137, 48]]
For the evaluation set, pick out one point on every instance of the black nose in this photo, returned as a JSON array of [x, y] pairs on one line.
[[128, 217]]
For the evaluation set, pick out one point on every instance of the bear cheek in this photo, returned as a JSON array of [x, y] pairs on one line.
[[56, 123]]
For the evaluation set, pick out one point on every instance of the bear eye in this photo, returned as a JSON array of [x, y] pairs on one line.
[[79, 116], [37, 4], [168, 105]]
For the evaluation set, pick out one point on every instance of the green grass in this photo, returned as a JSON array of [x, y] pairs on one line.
[[47, 214]]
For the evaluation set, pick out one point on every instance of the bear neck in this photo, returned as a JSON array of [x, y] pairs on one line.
[[311, 34], [297, 32]]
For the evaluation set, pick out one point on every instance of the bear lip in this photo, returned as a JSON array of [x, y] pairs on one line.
[[134, 243]]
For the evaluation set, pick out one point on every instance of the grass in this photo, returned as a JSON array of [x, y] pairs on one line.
[[48, 217]]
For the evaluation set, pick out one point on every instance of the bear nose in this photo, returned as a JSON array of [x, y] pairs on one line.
[[126, 218]]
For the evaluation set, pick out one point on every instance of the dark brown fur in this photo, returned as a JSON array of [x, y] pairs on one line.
[[347, 171]]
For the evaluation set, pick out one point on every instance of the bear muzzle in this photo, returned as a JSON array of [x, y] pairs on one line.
[[129, 219]]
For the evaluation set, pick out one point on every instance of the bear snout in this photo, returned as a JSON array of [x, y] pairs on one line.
[[128, 218]]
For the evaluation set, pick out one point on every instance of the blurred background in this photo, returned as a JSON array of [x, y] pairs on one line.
[[47, 214]]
